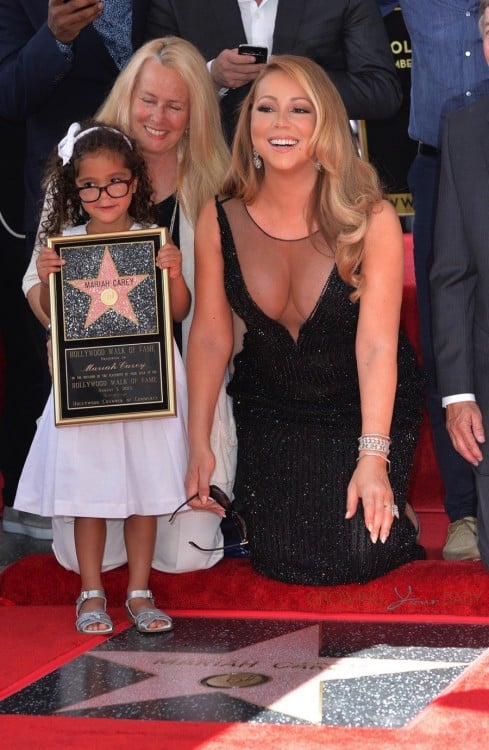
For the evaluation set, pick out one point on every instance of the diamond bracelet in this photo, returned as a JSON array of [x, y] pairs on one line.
[[374, 442]]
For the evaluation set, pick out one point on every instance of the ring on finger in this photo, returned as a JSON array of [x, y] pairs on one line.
[[394, 510]]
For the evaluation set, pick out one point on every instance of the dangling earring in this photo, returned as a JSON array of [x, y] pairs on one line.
[[257, 159], [318, 165], [186, 131]]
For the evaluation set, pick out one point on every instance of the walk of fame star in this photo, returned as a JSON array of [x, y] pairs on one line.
[[294, 689], [109, 291], [262, 671]]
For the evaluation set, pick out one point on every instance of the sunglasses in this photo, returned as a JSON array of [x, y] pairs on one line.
[[219, 497]]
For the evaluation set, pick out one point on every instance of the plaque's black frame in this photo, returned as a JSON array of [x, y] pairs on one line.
[[137, 377]]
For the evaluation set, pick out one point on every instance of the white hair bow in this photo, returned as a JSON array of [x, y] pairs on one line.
[[66, 144]]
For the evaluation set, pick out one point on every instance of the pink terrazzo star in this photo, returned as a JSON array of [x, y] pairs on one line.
[[291, 662], [109, 291]]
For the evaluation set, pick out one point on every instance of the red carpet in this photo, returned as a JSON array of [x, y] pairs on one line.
[[426, 588]]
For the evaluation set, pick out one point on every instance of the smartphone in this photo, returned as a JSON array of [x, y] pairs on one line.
[[260, 53]]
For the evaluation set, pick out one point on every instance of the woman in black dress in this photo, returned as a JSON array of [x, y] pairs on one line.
[[305, 258]]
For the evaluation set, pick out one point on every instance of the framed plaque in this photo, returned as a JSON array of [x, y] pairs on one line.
[[111, 328]]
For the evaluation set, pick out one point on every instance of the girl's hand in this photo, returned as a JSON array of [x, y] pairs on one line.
[[169, 256], [48, 261], [49, 349], [197, 483], [370, 483]]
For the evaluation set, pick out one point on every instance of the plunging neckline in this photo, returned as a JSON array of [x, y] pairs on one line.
[[276, 322], [261, 313], [272, 236]]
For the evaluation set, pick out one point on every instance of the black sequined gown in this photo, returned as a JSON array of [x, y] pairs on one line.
[[297, 411]]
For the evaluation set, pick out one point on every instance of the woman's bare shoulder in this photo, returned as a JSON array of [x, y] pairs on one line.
[[384, 214], [207, 234], [384, 224]]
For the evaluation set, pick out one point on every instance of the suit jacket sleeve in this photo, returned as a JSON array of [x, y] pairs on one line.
[[31, 65], [453, 273], [162, 20], [368, 84]]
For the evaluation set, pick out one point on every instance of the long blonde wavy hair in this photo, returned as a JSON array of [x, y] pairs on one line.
[[203, 156], [347, 188]]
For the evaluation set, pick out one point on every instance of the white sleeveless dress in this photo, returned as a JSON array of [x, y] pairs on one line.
[[107, 469]]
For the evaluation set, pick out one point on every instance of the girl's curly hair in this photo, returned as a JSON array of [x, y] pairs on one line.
[[65, 208]]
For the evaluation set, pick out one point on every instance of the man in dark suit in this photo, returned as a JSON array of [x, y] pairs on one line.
[[460, 288], [58, 61], [346, 37], [448, 72]]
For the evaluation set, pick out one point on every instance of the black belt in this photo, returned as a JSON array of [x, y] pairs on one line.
[[426, 150]]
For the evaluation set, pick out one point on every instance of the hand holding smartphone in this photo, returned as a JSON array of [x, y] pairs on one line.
[[260, 53], [66, 23]]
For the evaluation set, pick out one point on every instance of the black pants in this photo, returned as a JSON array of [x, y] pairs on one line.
[[22, 337]]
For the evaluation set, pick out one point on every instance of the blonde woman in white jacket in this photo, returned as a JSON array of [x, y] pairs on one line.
[[165, 100]]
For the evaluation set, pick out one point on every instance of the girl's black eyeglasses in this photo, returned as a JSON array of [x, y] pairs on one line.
[[91, 193], [219, 497]]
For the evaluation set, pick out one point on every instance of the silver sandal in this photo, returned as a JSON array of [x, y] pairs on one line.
[[85, 619], [144, 618]]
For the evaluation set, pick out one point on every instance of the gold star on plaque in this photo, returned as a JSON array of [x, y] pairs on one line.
[[109, 291]]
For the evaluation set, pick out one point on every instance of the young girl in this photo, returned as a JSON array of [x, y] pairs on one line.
[[130, 469]]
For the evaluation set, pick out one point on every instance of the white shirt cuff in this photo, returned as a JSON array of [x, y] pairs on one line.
[[222, 92], [456, 398]]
